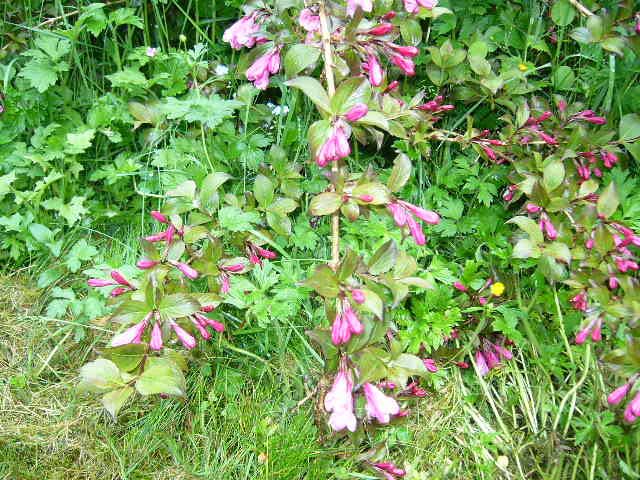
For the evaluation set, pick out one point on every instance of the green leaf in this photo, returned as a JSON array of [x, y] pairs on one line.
[[376, 119], [379, 193], [560, 251], [114, 400], [128, 78], [79, 142], [629, 127], [99, 376], [125, 16], [525, 248], [384, 258], [372, 303], [595, 25], [263, 190], [553, 175], [349, 93], [562, 13], [300, 57], [41, 73], [126, 357], [400, 173], [325, 203], [614, 44], [210, 111], [563, 78], [530, 227], [324, 281], [582, 35], [313, 89], [411, 364], [177, 305], [280, 223], [235, 219], [608, 201], [161, 376], [411, 31]]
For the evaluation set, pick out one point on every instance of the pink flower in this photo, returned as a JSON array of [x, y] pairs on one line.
[[235, 268], [99, 282], [416, 231], [131, 334], [532, 208], [225, 283], [579, 301], [266, 65], [375, 70], [352, 319], [356, 112], [482, 301], [243, 32], [596, 333], [118, 277], [608, 158], [589, 116], [430, 364], [336, 146], [491, 358], [613, 282], [503, 352], [339, 402], [156, 337], [201, 326], [427, 216], [405, 50], [264, 253], [187, 340], [358, 296], [309, 20], [352, 6], [618, 394], [629, 416], [403, 213], [151, 52], [481, 364], [116, 292], [413, 6], [340, 331], [390, 470], [379, 405], [547, 227], [635, 404]]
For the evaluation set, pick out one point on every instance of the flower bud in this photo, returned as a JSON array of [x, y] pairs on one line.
[[356, 112], [382, 29], [159, 216], [618, 394]]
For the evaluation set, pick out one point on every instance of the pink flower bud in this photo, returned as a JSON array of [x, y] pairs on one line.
[[533, 208], [340, 331], [430, 364], [146, 264], [459, 286], [582, 335], [186, 270], [392, 86], [358, 296], [404, 64], [131, 334], [481, 363], [350, 317], [159, 216], [99, 282], [618, 394], [375, 70], [635, 404], [116, 292], [503, 352], [489, 152], [356, 112], [613, 283], [390, 15], [405, 50], [201, 328], [548, 139], [463, 365], [596, 333], [492, 359], [266, 65], [225, 283], [156, 337], [382, 29], [427, 216], [629, 416], [416, 231], [235, 268], [118, 277], [482, 301]]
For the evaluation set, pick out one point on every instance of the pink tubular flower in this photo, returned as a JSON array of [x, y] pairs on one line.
[[481, 364], [309, 20], [403, 63], [596, 333], [352, 6], [460, 286], [379, 406], [609, 159], [131, 334], [589, 116], [352, 319], [547, 227], [629, 416], [99, 282], [356, 112], [618, 394], [625, 265], [243, 32], [186, 270], [116, 292], [340, 331], [235, 268], [613, 282], [159, 216], [503, 352], [413, 6], [264, 253], [380, 30], [430, 364], [339, 402], [266, 65], [336, 146], [374, 69], [403, 213], [635, 404], [225, 283], [427, 216], [118, 277], [187, 340], [405, 50], [532, 208], [156, 337], [491, 358], [390, 470], [416, 231], [201, 326], [146, 264], [358, 296]]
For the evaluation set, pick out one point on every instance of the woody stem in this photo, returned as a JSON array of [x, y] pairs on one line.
[[331, 90]]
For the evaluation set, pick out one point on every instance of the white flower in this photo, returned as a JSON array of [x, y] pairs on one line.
[[221, 70], [152, 52]]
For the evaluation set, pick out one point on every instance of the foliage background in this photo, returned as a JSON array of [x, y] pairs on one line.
[[93, 130]]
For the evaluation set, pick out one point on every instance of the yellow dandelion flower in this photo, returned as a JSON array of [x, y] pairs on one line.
[[497, 289], [522, 67]]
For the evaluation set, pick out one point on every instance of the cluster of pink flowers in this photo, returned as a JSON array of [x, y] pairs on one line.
[[403, 215], [588, 116], [435, 105], [224, 277], [509, 193], [490, 355], [400, 56], [632, 410], [265, 66], [488, 144], [609, 159], [593, 327], [309, 20], [345, 324], [118, 280], [336, 146]]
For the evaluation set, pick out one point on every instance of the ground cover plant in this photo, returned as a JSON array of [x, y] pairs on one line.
[[322, 240]]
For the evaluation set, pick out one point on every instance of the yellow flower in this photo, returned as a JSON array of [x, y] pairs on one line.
[[497, 289], [522, 67]]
